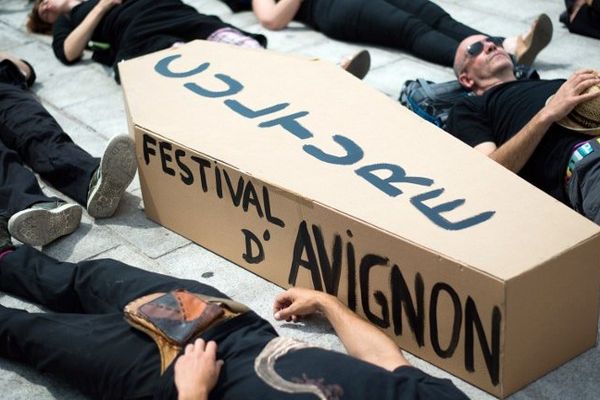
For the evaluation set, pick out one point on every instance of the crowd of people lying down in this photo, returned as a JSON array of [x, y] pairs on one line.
[[542, 130]]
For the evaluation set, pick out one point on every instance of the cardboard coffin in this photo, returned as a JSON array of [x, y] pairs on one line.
[[304, 175]]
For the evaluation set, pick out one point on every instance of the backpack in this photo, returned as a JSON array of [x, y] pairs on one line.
[[433, 101]]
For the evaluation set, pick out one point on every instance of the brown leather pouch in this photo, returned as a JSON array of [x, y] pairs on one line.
[[173, 319]]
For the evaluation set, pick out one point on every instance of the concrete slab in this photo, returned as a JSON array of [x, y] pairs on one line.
[[87, 103]]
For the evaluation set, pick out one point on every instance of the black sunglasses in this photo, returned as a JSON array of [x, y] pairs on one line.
[[476, 48]]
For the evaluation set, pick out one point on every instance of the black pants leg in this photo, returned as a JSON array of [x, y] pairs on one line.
[[19, 188], [41, 143], [384, 22], [84, 338], [587, 21], [436, 17]]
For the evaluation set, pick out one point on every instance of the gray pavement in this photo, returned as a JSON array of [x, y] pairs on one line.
[[88, 104]]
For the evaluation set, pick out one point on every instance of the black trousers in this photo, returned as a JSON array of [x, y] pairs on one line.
[[418, 26], [30, 135], [587, 20], [83, 338]]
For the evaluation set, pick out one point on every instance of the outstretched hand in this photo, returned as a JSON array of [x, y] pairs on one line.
[[197, 370], [297, 302], [572, 93]]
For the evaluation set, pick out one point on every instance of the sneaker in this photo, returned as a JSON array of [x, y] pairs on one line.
[[5, 242], [43, 223], [534, 41], [116, 171], [358, 65]]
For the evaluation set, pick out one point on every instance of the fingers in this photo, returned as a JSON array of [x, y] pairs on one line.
[[199, 346], [282, 301]]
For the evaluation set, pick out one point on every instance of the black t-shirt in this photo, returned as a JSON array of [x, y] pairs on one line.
[[338, 376], [501, 112], [137, 27]]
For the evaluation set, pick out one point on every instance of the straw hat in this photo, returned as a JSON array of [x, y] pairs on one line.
[[585, 117]]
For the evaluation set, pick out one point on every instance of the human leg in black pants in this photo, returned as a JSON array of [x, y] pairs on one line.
[[28, 129], [379, 22], [84, 338], [418, 26], [19, 191]]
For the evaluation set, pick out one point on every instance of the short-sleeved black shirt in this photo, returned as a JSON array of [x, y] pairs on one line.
[[339, 376], [138, 27], [501, 112]]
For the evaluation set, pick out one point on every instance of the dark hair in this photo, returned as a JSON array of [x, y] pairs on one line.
[[35, 23]]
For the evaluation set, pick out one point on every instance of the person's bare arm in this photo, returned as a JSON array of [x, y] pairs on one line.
[[197, 370], [275, 15], [360, 338], [77, 40], [23, 67], [516, 152]]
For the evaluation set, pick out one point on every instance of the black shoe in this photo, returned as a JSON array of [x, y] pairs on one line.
[[116, 171], [43, 223], [359, 64]]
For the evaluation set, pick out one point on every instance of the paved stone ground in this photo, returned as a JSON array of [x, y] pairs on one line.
[[88, 104]]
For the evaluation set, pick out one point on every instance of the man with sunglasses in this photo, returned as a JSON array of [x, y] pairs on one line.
[[514, 122]]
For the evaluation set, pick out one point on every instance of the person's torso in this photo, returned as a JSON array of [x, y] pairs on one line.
[[508, 107]]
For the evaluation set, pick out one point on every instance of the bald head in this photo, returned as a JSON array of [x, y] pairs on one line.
[[481, 62], [461, 55]]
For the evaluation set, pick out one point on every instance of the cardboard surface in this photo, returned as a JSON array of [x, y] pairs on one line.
[[297, 171]]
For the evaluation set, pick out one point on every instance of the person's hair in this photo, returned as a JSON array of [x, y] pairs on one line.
[[35, 23]]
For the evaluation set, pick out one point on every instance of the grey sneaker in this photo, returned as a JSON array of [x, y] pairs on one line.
[[43, 223], [116, 171]]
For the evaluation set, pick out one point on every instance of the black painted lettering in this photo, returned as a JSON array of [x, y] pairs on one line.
[[330, 271], [218, 182], [366, 264], [252, 243], [303, 245], [148, 151], [434, 213], [433, 320], [401, 297], [236, 194], [188, 178], [250, 197], [491, 353], [166, 158], [267, 203], [351, 275], [202, 164]]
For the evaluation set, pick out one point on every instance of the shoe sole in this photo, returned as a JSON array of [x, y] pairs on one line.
[[360, 64], [38, 227], [118, 167], [542, 34]]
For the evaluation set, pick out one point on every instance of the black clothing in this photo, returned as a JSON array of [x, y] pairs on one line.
[[587, 20], [85, 339], [583, 187], [138, 27], [30, 135], [501, 112], [418, 26]]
